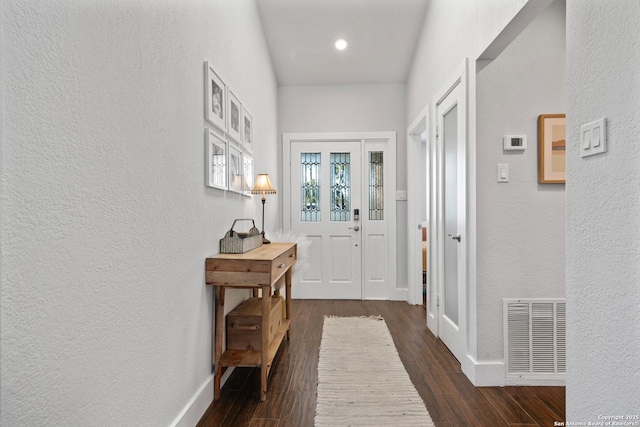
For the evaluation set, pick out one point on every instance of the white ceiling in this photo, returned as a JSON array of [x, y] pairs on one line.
[[382, 36]]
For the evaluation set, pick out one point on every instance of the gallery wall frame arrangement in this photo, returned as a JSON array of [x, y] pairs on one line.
[[552, 147], [229, 143]]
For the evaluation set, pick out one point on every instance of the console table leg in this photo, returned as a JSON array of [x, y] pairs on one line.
[[287, 293], [217, 345], [266, 323]]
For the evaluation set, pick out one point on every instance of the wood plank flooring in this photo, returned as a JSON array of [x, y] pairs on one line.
[[448, 395]]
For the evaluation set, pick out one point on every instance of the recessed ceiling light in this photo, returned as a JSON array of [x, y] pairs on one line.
[[341, 44]]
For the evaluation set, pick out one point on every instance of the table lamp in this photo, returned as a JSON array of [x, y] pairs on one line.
[[263, 186]]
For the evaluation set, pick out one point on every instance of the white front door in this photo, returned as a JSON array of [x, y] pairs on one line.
[[451, 138], [339, 192], [325, 193]]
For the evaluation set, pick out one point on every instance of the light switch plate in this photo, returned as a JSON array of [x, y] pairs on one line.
[[401, 194], [503, 172], [593, 138]]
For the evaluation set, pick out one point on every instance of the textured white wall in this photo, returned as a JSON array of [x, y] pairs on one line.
[[353, 108], [105, 219], [452, 30], [520, 224], [603, 207]]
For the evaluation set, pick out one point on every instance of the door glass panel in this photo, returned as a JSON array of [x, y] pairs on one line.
[[310, 186], [340, 187], [450, 138], [376, 185]]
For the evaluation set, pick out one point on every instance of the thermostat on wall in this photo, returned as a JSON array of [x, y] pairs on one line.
[[515, 142]]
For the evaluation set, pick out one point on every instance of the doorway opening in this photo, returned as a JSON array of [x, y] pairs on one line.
[[339, 191], [436, 150]]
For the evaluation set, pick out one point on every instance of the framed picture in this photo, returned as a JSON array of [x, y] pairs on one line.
[[247, 129], [552, 148], [215, 98], [247, 162], [235, 169], [235, 116], [216, 164]]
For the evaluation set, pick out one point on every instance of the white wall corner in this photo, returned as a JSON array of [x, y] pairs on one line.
[[484, 374]]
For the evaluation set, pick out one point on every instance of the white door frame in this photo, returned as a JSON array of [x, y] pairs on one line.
[[423, 122], [372, 139], [415, 130], [458, 79]]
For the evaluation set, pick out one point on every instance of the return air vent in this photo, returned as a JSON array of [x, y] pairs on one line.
[[535, 340]]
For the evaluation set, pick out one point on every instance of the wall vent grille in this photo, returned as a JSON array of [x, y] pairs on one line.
[[535, 338]]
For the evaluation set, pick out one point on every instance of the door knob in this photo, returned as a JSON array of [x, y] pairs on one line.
[[356, 228], [456, 237]]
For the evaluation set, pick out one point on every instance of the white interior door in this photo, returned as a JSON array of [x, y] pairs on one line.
[[325, 191], [451, 136]]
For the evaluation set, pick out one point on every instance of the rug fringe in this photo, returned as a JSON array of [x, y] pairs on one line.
[[372, 317]]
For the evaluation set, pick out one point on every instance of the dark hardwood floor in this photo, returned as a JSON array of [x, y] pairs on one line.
[[448, 395]]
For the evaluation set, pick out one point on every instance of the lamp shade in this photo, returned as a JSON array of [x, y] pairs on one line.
[[263, 185]]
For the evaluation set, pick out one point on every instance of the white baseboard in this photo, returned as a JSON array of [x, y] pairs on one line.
[[199, 403], [399, 295], [484, 374], [197, 406], [492, 374]]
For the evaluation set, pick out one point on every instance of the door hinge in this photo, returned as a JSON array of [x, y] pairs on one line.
[[437, 132], [437, 300]]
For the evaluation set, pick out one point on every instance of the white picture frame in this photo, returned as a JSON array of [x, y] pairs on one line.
[[247, 130], [247, 172], [235, 117], [216, 161], [235, 169], [215, 98]]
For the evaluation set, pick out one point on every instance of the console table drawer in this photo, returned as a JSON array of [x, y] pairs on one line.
[[282, 263]]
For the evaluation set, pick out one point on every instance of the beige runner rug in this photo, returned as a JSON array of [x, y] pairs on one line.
[[361, 379]]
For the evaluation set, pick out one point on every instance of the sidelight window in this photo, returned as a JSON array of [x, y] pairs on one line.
[[376, 185]]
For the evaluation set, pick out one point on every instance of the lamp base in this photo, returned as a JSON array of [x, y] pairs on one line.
[[265, 241]]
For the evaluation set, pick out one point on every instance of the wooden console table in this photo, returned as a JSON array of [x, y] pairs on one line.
[[259, 268]]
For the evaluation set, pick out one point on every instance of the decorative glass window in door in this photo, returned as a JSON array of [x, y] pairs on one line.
[[310, 186], [340, 186], [376, 185]]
